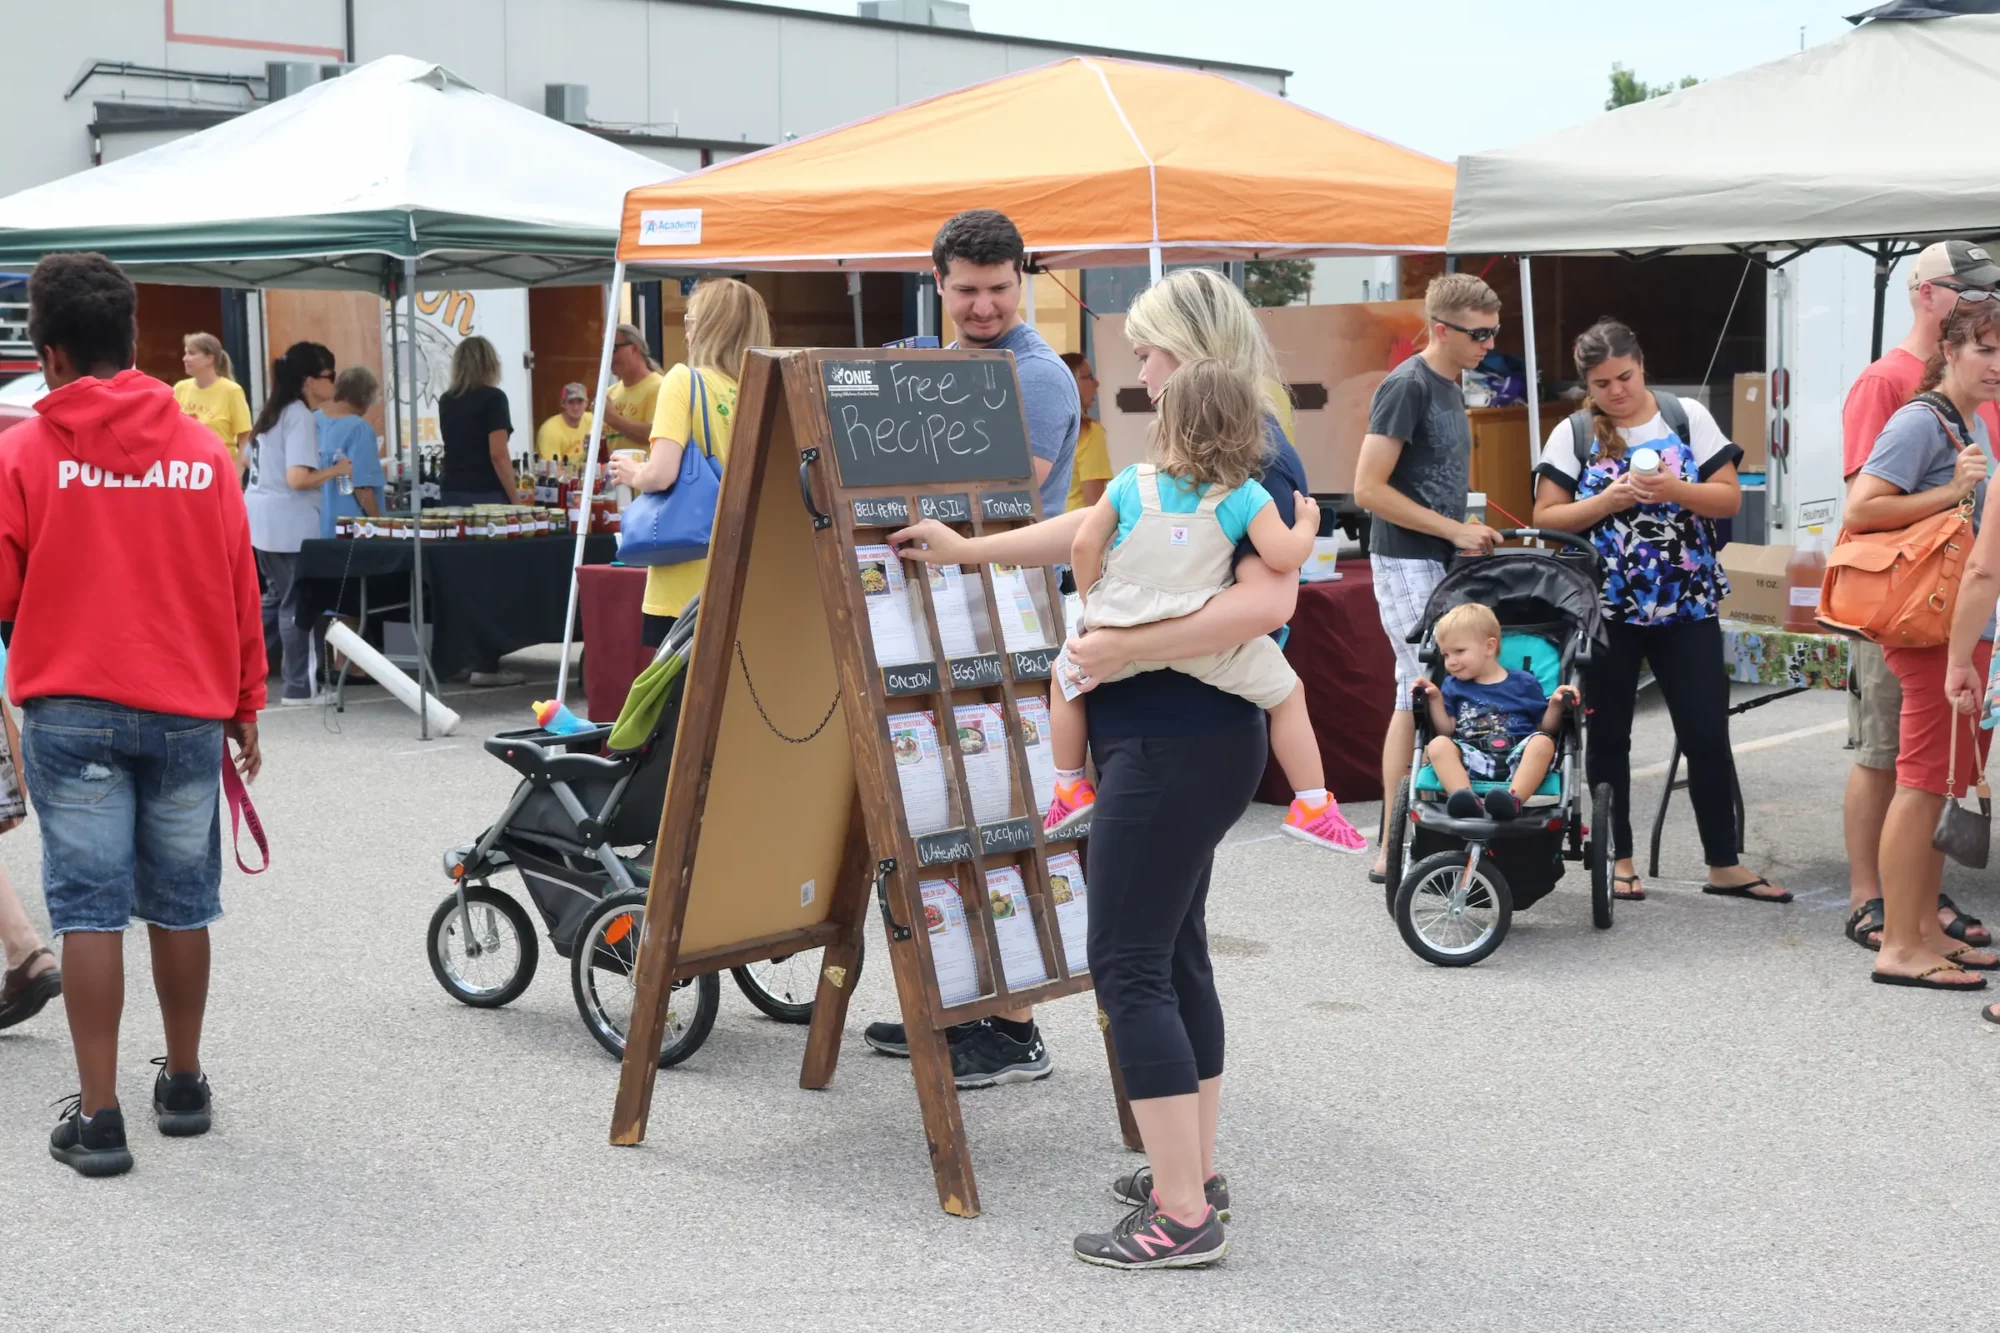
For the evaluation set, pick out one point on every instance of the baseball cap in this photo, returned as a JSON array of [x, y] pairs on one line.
[[575, 390], [1961, 261]]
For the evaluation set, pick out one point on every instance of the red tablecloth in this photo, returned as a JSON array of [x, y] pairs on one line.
[[609, 598], [1340, 651]]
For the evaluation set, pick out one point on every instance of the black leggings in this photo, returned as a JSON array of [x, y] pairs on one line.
[[1163, 803], [1686, 657]]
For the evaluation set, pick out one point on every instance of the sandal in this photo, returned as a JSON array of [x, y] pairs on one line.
[[1991, 1013], [1922, 981], [1635, 896], [23, 996], [1958, 956], [1963, 924], [1866, 921], [1744, 890]]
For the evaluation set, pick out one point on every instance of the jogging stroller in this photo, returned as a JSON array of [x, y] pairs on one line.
[[1453, 885], [579, 832]]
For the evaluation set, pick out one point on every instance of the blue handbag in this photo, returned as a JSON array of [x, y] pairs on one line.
[[673, 526]]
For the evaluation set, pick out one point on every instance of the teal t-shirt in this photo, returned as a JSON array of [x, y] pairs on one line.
[[1178, 497]]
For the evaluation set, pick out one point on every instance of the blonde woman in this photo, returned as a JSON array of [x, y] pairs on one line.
[[697, 402], [212, 397], [475, 424]]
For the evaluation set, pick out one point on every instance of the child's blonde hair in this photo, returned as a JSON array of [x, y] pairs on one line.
[[1470, 618], [1210, 430]]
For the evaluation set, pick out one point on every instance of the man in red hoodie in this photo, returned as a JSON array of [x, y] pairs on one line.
[[125, 565]]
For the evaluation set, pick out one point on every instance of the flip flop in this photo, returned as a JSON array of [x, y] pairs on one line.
[[1922, 981], [1866, 921], [23, 996], [1378, 877], [1958, 956], [1636, 896], [1744, 891], [1989, 1015]]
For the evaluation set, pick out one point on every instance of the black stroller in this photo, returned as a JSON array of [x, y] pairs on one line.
[[579, 831], [1453, 885]]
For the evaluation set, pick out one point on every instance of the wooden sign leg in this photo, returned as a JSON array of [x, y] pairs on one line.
[[1128, 1125], [839, 963], [944, 1127]]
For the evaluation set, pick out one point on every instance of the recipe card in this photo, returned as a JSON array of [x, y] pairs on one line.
[[913, 739], [951, 941], [1066, 895], [1014, 929]]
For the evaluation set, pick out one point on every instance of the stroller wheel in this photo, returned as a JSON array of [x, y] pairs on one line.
[[484, 956], [1602, 899], [1448, 918], [785, 988], [601, 970], [1394, 847]]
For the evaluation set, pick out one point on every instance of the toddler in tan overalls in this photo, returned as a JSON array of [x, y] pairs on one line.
[[1172, 527]]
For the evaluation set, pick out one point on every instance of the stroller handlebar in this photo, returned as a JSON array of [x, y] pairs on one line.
[[1551, 534]]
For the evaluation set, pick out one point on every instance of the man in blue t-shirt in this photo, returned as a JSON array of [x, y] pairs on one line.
[[980, 264]]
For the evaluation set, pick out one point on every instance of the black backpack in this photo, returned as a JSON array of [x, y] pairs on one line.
[[1671, 411]]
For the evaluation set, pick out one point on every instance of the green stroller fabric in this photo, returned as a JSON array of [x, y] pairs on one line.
[[643, 703]]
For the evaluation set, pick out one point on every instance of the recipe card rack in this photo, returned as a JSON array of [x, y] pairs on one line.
[[942, 786]]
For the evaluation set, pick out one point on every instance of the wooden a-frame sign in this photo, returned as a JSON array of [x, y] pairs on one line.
[[775, 834]]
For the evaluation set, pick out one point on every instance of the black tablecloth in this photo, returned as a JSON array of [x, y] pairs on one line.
[[481, 598]]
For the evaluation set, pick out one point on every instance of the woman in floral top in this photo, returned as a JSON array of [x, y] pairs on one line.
[[1662, 586]]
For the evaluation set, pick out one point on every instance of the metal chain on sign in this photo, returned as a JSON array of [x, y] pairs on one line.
[[789, 740]]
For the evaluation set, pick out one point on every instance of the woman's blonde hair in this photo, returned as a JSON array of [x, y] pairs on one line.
[[729, 319], [357, 387], [1210, 431], [212, 345], [475, 365], [1196, 313], [630, 333]]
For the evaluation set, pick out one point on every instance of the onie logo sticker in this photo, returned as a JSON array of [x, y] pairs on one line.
[[670, 226], [844, 381]]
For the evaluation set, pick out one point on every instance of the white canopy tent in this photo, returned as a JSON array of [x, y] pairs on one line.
[[396, 176], [1840, 144]]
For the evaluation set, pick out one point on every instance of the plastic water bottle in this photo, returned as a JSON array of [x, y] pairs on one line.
[[347, 480]]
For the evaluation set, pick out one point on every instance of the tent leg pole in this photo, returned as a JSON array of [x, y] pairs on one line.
[[1534, 385], [416, 501], [854, 295], [1155, 264], [1881, 299], [590, 466]]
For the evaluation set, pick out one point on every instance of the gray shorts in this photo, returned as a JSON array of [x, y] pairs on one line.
[[1874, 712], [1402, 588]]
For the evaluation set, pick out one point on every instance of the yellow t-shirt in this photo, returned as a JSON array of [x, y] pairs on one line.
[[1093, 461], [559, 441], [669, 588], [1281, 405], [636, 402], [221, 407]]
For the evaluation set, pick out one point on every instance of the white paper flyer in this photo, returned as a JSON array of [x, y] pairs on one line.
[[913, 739], [1022, 624], [1014, 929], [951, 941], [989, 777], [1035, 736], [1066, 895], [897, 633]]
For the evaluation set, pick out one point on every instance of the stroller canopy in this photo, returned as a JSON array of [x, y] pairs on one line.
[[1526, 589]]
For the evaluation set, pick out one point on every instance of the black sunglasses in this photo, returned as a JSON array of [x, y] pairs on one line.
[[1477, 335], [618, 345], [1970, 295]]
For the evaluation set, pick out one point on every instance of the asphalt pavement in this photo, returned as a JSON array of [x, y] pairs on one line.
[[1705, 1118]]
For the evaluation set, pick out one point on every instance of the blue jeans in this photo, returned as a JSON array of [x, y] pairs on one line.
[[130, 813]]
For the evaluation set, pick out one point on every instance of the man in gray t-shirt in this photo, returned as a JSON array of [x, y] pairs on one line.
[[1412, 477]]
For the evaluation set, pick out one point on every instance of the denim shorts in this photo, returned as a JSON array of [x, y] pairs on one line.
[[130, 811]]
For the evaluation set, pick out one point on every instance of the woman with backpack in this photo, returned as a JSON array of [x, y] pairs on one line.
[[1926, 461], [1645, 475]]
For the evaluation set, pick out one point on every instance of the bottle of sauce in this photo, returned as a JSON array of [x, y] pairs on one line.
[[1804, 573]]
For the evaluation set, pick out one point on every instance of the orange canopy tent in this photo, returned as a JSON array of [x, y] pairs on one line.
[[1097, 161]]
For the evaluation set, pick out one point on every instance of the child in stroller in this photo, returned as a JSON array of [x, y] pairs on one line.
[[1485, 717]]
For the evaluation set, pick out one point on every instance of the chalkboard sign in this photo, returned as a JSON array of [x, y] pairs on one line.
[[897, 422]]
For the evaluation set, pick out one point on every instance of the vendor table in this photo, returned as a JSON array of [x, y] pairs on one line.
[[482, 598], [1342, 655], [1794, 662], [610, 605]]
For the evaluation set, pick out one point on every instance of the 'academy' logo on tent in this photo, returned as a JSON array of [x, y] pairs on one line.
[[670, 226], [179, 475]]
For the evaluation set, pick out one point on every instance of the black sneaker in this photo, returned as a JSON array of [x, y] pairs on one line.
[[1149, 1238], [891, 1039], [95, 1149], [989, 1056], [181, 1102], [1136, 1191]]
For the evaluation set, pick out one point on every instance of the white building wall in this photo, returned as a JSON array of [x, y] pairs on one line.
[[701, 72]]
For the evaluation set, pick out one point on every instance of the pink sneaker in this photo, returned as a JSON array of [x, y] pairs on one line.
[[1070, 810], [1323, 826]]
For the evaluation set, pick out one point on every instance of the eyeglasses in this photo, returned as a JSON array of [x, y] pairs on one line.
[[324, 375], [1970, 295], [616, 346], [1477, 335]]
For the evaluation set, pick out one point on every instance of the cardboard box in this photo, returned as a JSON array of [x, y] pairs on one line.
[[1749, 426], [1756, 583]]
